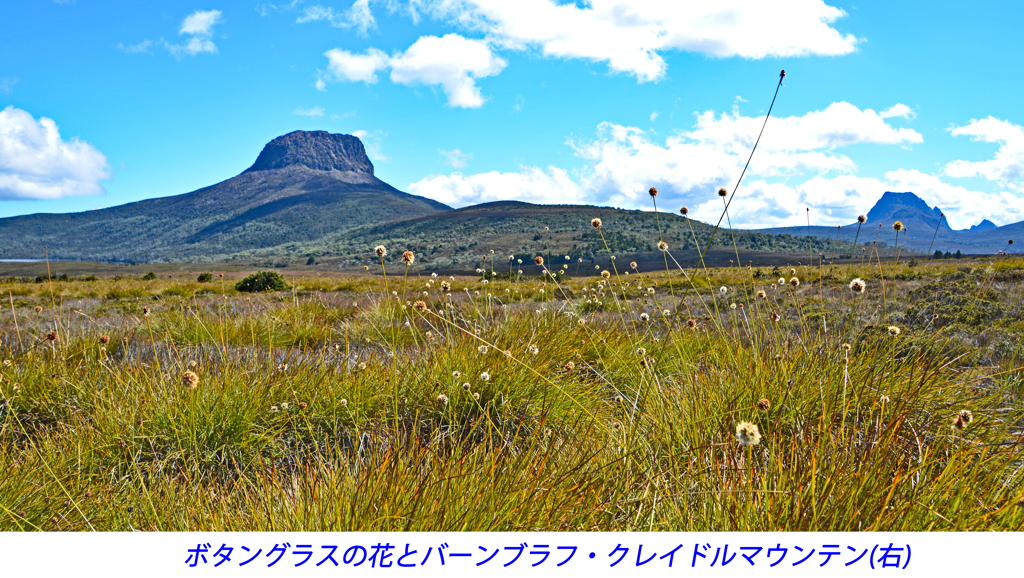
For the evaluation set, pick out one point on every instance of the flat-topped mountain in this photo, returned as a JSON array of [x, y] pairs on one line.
[[317, 150], [302, 187]]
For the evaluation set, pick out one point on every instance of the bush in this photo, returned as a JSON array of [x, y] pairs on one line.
[[149, 276], [262, 281], [205, 277]]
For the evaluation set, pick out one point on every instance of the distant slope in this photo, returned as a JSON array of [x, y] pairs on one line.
[[303, 186], [459, 239]]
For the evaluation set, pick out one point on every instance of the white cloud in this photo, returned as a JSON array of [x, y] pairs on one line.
[[342, 65], [140, 48], [198, 26], [451, 61], [35, 163], [312, 111], [200, 22], [654, 115], [530, 184], [321, 85], [7, 85], [898, 110], [456, 158], [1007, 168], [357, 16], [629, 37], [372, 143]]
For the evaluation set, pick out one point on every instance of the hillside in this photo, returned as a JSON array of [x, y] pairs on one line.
[[457, 240]]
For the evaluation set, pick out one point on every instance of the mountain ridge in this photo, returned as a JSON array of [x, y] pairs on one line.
[[314, 192]]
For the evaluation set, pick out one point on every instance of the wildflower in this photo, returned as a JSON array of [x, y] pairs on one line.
[[684, 210], [569, 366], [761, 294], [303, 405], [606, 274], [666, 313], [482, 349], [962, 418], [763, 404], [533, 349], [419, 306], [190, 380], [408, 257], [39, 308], [641, 351], [858, 285], [446, 286], [284, 405], [485, 376], [7, 363], [476, 396], [894, 331], [782, 281], [748, 434], [792, 271], [273, 409], [795, 282], [465, 386], [653, 192], [595, 223], [520, 271], [362, 365], [538, 260], [650, 290], [442, 399], [380, 251], [456, 374], [366, 267], [662, 246], [732, 306], [862, 219], [645, 317], [632, 264], [775, 317], [897, 226], [343, 402], [145, 311], [847, 347], [433, 275], [691, 323], [723, 289]]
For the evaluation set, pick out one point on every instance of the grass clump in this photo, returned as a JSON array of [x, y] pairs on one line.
[[262, 282]]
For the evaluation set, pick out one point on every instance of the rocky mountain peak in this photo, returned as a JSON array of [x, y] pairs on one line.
[[906, 207], [318, 150]]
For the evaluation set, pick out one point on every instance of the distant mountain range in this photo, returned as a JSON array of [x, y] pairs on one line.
[[315, 193], [922, 223]]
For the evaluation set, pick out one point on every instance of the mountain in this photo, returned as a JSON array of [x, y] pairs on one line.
[[926, 229], [908, 208], [303, 186], [984, 225]]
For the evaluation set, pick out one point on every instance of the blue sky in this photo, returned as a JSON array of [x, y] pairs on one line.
[[476, 100]]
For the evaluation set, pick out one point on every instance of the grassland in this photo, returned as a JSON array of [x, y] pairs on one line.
[[508, 401]]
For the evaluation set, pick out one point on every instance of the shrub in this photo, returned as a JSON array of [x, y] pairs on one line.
[[149, 276], [262, 281], [205, 277]]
